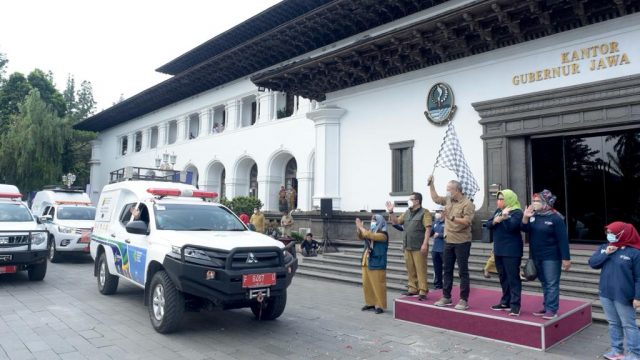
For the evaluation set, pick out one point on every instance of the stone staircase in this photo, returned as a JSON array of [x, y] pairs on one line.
[[579, 282]]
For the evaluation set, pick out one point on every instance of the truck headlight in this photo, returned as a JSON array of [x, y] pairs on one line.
[[66, 229], [190, 253], [38, 238]]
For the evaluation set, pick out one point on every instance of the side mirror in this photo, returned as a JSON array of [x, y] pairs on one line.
[[46, 218], [37, 219], [137, 227]]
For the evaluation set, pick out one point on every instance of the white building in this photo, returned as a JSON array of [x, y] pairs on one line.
[[543, 89]]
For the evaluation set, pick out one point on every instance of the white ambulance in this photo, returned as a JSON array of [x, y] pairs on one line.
[[23, 241], [68, 216], [187, 252]]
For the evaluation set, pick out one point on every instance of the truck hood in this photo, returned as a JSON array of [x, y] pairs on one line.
[[223, 240], [80, 224], [20, 225]]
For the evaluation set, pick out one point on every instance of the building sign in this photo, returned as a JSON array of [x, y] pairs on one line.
[[574, 61], [440, 105]]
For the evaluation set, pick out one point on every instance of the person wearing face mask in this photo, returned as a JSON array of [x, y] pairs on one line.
[[374, 263], [437, 232], [548, 248], [619, 261], [458, 214], [507, 249], [415, 243], [257, 219]]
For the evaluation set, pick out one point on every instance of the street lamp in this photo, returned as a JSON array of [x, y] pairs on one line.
[[68, 179], [166, 162]]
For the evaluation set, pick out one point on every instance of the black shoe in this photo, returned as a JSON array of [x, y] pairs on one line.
[[367, 307], [406, 293], [437, 287], [515, 311], [379, 311], [422, 297], [500, 307]]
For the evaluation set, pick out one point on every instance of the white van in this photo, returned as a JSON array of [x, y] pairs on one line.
[[68, 216], [23, 241], [187, 252]]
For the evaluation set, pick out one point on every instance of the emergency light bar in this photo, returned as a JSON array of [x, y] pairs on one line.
[[73, 203], [184, 193], [10, 195]]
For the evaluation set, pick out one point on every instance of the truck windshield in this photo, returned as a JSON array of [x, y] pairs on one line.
[[76, 213], [14, 212], [196, 218]]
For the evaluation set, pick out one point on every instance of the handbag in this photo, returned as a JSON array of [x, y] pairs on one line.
[[530, 272]]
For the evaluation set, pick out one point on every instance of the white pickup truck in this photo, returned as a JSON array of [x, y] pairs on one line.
[[23, 240], [187, 252]]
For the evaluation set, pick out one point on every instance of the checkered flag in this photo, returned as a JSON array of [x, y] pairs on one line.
[[451, 157]]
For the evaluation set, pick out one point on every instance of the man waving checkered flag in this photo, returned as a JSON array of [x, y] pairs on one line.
[[451, 157]]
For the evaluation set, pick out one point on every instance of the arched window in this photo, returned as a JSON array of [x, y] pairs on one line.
[[253, 181]]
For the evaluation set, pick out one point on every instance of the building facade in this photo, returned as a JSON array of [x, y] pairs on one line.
[[547, 95]]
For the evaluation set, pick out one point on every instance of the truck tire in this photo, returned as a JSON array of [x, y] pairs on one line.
[[166, 303], [107, 283], [54, 256], [38, 271], [272, 307]]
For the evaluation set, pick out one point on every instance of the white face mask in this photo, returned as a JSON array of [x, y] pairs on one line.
[[537, 206], [410, 203], [373, 225], [438, 216], [448, 194]]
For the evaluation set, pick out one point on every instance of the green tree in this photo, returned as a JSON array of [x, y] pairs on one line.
[[85, 104], [3, 64], [31, 149], [69, 94], [12, 93], [48, 92], [242, 204]]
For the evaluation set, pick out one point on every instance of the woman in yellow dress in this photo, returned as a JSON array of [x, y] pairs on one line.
[[374, 263]]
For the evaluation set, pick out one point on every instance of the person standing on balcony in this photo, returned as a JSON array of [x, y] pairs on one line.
[[282, 200], [507, 249], [458, 214], [415, 243], [549, 248], [374, 263], [619, 261]]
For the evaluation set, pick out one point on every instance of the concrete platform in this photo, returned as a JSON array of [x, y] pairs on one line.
[[480, 320]]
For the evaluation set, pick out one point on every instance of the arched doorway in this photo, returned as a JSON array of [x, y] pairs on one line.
[[216, 179], [291, 183], [245, 179], [192, 175], [282, 171]]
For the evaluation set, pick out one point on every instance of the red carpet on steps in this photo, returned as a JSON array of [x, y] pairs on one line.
[[480, 320]]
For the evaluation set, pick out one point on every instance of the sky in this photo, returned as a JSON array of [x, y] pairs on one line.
[[115, 44]]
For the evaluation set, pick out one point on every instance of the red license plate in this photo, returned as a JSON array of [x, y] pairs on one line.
[[258, 280], [86, 248], [85, 238], [8, 269]]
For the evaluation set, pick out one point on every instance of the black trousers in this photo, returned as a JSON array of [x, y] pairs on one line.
[[451, 254], [509, 274], [436, 258]]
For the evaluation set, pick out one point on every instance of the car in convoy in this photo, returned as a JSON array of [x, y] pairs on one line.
[[68, 216], [23, 240], [186, 252]]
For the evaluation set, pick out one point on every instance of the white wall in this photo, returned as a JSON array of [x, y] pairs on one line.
[[391, 110]]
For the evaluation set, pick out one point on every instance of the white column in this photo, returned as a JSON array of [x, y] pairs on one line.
[[237, 187], [204, 122], [305, 191], [232, 113], [146, 139], [327, 156], [208, 122], [181, 133], [162, 135], [265, 100], [95, 182], [274, 105]]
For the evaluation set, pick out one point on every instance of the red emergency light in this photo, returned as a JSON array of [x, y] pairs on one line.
[[10, 195], [184, 193]]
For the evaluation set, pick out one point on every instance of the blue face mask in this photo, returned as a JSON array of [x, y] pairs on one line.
[[373, 225], [611, 238]]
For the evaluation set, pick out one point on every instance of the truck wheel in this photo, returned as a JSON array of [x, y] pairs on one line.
[[272, 307], [107, 283], [38, 271], [166, 303], [54, 256]]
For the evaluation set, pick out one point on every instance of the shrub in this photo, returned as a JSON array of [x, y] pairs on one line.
[[242, 204], [296, 236]]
